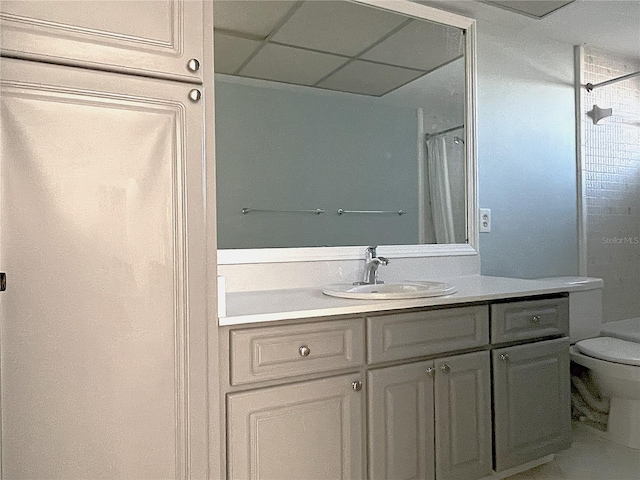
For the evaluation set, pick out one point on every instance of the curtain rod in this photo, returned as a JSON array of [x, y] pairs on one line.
[[590, 86], [452, 129]]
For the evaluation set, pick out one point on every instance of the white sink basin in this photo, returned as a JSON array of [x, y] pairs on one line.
[[389, 291]]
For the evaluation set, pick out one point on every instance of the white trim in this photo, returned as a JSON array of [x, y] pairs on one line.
[[317, 254], [278, 255], [420, 11], [422, 178], [471, 137], [580, 162]]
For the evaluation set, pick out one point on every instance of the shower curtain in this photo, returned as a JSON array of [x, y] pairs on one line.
[[440, 190]]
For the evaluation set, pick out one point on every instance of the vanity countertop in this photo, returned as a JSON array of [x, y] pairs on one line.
[[272, 305]]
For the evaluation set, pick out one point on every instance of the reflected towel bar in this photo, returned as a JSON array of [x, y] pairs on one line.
[[246, 210], [591, 87], [396, 212]]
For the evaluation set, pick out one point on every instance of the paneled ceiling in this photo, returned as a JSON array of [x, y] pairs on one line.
[[330, 45]]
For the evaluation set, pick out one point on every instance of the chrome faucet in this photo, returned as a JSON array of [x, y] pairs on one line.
[[372, 262]]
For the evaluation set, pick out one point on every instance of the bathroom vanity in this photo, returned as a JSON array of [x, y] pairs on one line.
[[457, 388]]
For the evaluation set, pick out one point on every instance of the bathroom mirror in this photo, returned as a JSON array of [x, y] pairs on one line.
[[341, 124]]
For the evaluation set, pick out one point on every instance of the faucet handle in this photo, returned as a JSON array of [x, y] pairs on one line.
[[383, 261]]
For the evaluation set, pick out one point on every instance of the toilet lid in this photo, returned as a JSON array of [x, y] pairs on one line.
[[611, 349]]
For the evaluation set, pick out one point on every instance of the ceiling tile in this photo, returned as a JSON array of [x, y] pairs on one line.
[[337, 27], [531, 8], [231, 52], [291, 65], [368, 78], [432, 44], [253, 18]]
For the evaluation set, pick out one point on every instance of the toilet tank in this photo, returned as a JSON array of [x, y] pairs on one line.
[[585, 314], [585, 305]]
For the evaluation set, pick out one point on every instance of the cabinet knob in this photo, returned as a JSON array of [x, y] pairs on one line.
[[357, 386], [504, 357], [193, 65], [431, 371], [3, 281], [304, 351], [445, 368], [535, 319], [194, 95]]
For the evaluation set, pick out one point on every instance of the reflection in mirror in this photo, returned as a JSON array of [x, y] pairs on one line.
[[337, 124]]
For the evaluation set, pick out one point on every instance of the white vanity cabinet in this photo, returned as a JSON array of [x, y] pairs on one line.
[[435, 390], [151, 38]]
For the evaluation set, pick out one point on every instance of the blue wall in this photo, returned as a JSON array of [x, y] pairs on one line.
[[526, 155]]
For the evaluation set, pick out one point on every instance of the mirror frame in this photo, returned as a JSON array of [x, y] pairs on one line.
[[302, 254]]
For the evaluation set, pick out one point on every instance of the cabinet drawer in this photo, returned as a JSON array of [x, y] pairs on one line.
[[529, 319], [259, 354], [407, 335]]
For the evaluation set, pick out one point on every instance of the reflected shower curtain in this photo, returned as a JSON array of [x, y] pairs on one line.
[[440, 190]]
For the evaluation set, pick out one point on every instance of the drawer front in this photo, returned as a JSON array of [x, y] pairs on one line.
[[268, 353], [529, 319], [407, 335]]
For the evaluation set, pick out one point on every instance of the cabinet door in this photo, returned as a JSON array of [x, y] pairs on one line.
[[151, 38], [401, 443], [463, 416], [310, 430], [103, 322], [532, 405]]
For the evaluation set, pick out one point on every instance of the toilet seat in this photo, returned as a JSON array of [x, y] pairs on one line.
[[611, 349]]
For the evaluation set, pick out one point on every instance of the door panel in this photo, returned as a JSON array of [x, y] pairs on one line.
[[98, 361], [463, 416], [532, 401], [310, 430], [401, 443], [151, 37]]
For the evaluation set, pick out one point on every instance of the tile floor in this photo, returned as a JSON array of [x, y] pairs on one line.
[[589, 458]]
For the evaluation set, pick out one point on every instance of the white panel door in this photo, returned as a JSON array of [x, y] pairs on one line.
[[309, 430], [146, 37], [103, 321], [532, 401], [401, 422], [463, 416]]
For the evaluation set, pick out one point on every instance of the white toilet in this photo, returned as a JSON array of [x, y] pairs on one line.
[[614, 361]]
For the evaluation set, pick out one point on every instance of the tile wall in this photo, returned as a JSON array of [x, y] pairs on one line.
[[611, 189]]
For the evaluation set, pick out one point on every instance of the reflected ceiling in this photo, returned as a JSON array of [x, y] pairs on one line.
[[364, 53], [530, 8]]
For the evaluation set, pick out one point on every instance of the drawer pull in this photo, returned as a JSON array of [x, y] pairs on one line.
[[357, 386], [535, 319], [504, 357], [445, 368], [304, 351], [431, 371]]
